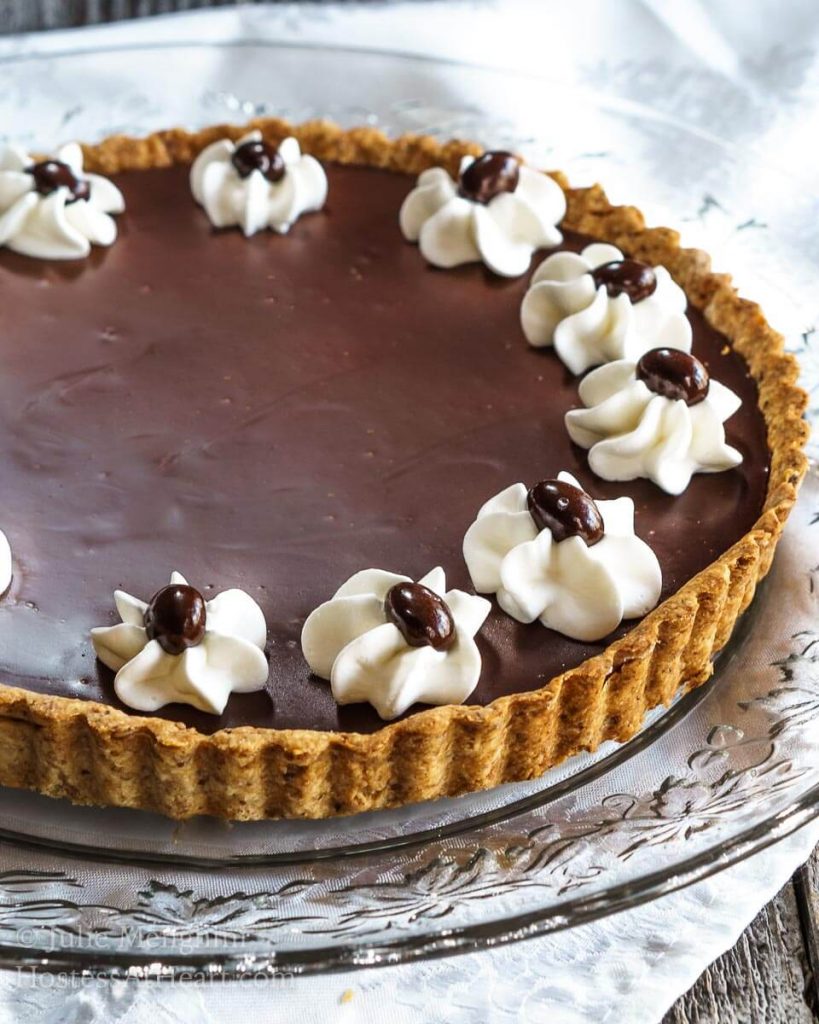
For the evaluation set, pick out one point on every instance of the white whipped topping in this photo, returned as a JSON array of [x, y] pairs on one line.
[[586, 326], [503, 233], [254, 203], [53, 227], [229, 659], [581, 591], [632, 432], [350, 641], [5, 563]]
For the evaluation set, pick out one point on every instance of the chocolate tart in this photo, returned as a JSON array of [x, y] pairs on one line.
[[279, 412]]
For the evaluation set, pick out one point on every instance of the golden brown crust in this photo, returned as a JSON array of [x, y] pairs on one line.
[[92, 753]]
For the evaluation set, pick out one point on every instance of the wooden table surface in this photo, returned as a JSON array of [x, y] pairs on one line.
[[771, 976], [31, 15]]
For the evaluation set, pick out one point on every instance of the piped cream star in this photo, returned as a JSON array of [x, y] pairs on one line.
[[503, 233], [350, 641], [55, 225], [581, 591], [229, 658]]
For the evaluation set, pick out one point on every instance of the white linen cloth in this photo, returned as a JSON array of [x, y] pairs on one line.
[[630, 967]]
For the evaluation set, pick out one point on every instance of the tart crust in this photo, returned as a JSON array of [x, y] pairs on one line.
[[95, 754]]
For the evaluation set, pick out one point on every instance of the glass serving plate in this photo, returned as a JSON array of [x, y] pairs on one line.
[[724, 772]]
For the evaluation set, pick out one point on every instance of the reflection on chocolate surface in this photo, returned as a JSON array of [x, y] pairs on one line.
[[278, 413]]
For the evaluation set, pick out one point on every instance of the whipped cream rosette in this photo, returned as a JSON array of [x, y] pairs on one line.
[[499, 211], [179, 648], [386, 640], [251, 185], [53, 210], [555, 554], [597, 306], [660, 418]]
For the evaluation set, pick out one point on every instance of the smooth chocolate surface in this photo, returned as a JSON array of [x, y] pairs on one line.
[[275, 414]]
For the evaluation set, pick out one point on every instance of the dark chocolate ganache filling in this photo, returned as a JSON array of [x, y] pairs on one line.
[[275, 414]]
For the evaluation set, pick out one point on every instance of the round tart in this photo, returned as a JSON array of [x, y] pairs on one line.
[[277, 413]]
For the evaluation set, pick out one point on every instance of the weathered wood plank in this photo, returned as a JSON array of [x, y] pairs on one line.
[[806, 887], [32, 15], [764, 979]]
